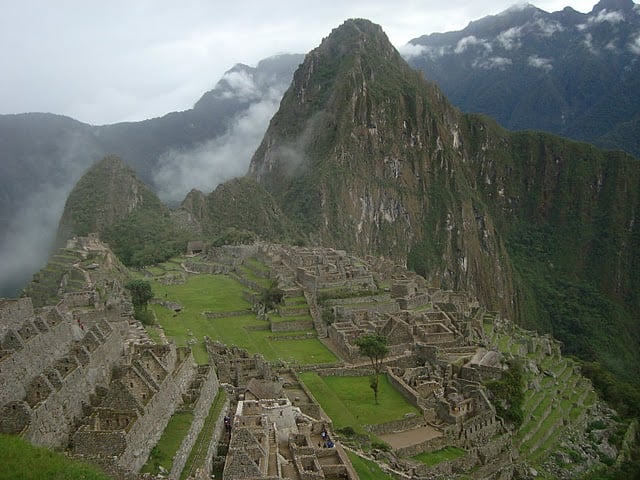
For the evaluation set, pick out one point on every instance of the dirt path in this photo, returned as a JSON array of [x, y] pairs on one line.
[[411, 437]]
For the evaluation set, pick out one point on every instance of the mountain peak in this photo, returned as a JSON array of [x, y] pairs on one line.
[[356, 34], [613, 5]]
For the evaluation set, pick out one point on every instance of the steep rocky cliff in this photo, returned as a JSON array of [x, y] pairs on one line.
[[366, 155]]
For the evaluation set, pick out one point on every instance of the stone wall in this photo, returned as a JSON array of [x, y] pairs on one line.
[[293, 326], [208, 393], [13, 313], [145, 433], [33, 356], [55, 418], [59, 362]]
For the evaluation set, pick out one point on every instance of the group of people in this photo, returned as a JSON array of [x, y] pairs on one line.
[[326, 439]]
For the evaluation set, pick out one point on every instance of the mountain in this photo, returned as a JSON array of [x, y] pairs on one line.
[[110, 201], [365, 154], [44, 155], [564, 72]]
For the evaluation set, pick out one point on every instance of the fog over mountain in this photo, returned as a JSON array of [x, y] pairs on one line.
[[44, 155]]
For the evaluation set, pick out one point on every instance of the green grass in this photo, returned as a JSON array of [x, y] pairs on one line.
[[366, 469], [443, 455], [163, 453], [19, 460], [219, 293], [349, 400]]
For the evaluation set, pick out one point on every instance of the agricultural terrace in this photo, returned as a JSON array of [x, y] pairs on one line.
[[220, 295]]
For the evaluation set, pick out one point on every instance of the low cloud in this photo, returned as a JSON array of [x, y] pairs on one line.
[[510, 39], [241, 85], [548, 28], [471, 41], [602, 17], [539, 62], [411, 50], [492, 62], [29, 236], [634, 46], [216, 161]]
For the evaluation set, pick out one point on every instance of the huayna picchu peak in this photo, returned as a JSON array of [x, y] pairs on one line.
[[389, 291]]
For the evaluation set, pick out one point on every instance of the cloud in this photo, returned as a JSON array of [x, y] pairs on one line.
[[492, 62], [29, 236], [207, 165], [539, 62], [469, 41], [548, 28], [241, 86], [634, 46], [602, 17], [411, 50], [588, 42], [510, 38]]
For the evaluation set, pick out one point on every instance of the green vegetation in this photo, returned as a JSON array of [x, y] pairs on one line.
[[162, 454], [374, 347], [20, 460], [508, 393], [141, 293], [144, 237], [366, 469], [220, 294], [443, 455], [345, 400]]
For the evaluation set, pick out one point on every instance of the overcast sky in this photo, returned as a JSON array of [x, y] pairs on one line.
[[104, 61]]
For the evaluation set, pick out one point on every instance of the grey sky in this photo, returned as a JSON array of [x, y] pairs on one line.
[[116, 60]]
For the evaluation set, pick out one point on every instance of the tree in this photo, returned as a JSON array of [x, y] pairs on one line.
[[374, 347], [141, 293]]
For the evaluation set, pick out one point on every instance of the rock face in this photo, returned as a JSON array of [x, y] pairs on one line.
[[371, 164]]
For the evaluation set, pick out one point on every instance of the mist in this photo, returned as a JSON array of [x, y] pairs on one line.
[[29, 237], [211, 163]]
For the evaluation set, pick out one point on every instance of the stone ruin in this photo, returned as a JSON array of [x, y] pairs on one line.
[[275, 428]]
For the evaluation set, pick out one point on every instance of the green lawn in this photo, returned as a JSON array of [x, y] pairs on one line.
[[443, 455], [19, 460], [163, 453], [349, 400], [366, 469], [219, 293]]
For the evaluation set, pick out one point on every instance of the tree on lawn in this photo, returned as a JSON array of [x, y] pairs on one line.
[[374, 347], [141, 293]]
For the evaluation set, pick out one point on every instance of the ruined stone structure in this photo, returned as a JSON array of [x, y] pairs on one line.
[[143, 394], [83, 372], [50, 363], [273, 439]]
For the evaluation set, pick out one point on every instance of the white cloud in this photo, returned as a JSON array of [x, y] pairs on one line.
[[634, 46], [410, 50], [469, 41], [602, 17], [492, 62], [510, 38], [241, 86], [207, 165], [539, 62], [547, 29], [588, 42]]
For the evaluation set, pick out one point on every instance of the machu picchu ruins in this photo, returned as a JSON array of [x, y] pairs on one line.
[[82, 375]]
